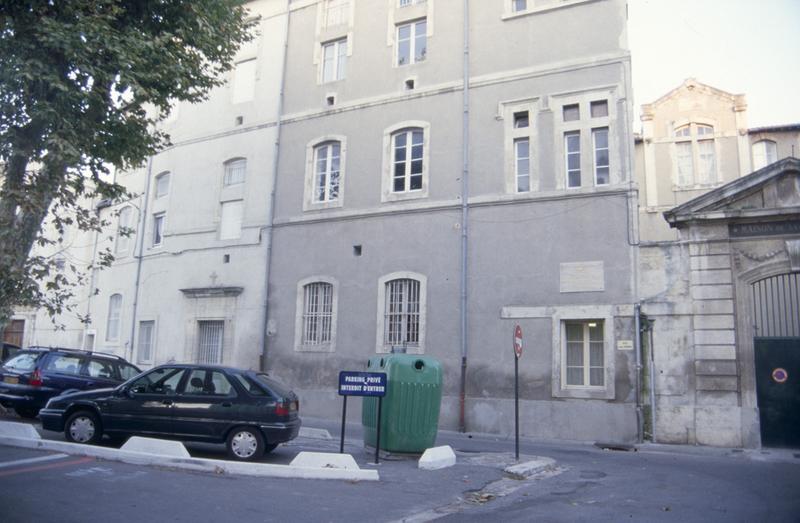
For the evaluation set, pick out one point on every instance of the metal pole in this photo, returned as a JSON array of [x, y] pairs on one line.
[[516, 405], [378, 435], [462, 396], [652, 383], [344, 416], [637, 340]]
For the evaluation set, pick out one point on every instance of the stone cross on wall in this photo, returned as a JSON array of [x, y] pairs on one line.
[[214, 276]]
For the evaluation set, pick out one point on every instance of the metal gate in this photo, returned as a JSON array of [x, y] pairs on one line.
[[776, 314]]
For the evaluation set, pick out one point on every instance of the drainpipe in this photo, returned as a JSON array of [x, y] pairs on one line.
[[462, 426], [637, 311], [652, 381], [140, 249], [269, 227]]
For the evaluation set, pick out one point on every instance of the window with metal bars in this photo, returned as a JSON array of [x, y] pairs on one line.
[[402, 313], [317, 313], [209, 341]]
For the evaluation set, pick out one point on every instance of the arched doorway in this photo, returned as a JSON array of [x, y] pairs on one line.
[[776, 322]]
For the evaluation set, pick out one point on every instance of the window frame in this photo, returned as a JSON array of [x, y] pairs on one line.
[[514, 134], [122, 244], [342, 6], [237, 226], [380, 342], [200, 323], [414, 35], [159, 222], [326, 174], [388, 194], [300, 309], [228, 172], [586, 354], [688, 143], [766, 145], [158, 183], [309, 201], [245, 78], [596, 166], [152, 342], [341, 50], [114, 317]]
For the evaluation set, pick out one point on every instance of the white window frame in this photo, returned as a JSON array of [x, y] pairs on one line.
[[380, 345], [765, 152], [124, 219], [300, 312], [338, 60], [519, 6], [341, 11], [567, 156], [586, 355], [114, 318], [414, 35], [309, 200], [220, 345], [234, 172], [698, 133], [161, 188], [585, 124], [595, 150], [159, 223], [141, 356], [388, 194], [513, 135], [231, 218], [323, 178]]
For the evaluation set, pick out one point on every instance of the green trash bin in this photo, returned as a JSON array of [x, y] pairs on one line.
[[410, 410]]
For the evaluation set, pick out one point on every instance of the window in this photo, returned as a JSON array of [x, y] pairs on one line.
[[519, 5], [334, 60], [204, 382], [412, 42], [235, 172], [113, 319], [126, 370], [162, 185], [336, 12], [599, 108], [600, 142], [145, 343], [572, 146], [326, 172], [100, 369], [695, 155], [244, 81], [230, 223], [123, 230], [164, 380], [406, 3], [64, 364], [521, 120], [209, 344], [765, 152], [571, 113], [317, 313], [522, 162], [407, 163], [584, 349], [401, 326], [158, 228]]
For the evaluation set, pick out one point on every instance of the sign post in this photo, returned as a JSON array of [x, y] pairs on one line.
[[355, 383], [517, 356]]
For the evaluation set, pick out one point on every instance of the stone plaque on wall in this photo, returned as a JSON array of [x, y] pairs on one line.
[[582, 277]]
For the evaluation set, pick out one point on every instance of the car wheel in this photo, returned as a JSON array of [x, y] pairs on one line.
[[83, 427], [245, 444], [26, 412]]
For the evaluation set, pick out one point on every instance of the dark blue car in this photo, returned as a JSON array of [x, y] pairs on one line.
[[34, 375], [248, 411]]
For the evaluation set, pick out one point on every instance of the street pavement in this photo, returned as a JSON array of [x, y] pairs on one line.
[[653, 483]]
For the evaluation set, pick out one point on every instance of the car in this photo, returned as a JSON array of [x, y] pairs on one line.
[[34, 375], [8, 350], [250, 412]]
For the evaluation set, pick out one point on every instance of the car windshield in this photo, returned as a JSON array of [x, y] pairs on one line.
[[22, 362], [274, 385]]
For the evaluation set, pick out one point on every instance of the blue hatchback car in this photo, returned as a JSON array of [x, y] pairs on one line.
[[34, 375]]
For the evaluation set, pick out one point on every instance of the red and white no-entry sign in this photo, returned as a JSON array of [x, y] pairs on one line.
[[518, 341]]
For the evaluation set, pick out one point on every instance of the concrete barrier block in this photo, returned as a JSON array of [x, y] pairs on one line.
[[160, 447], [531, 467], [12, 429], [324, 460], [437, 458], [307, 432]]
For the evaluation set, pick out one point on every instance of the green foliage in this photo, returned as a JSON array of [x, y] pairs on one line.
[[82, 85]]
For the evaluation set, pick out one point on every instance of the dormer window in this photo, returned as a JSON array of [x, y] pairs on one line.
[[695, 155]]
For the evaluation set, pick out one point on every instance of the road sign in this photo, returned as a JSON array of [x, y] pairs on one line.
[[518, 341], [354, 383]]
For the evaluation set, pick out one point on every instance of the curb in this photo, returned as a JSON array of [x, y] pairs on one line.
[[213, 466]]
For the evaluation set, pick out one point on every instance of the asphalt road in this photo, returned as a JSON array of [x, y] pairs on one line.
[[656, 483]]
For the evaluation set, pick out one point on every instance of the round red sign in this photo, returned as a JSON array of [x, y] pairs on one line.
[[780, 375], [518, 341]]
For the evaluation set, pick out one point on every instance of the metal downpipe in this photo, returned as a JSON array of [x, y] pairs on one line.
[[462, 426]]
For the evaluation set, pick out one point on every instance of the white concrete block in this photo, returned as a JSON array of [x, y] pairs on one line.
[[308, 432], [12, 429], [159, 447], [531, 467], [324, 460], [437, 458]]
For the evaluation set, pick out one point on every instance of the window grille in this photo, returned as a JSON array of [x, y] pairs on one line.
[[317, 313], [209, 344], [402, 313]]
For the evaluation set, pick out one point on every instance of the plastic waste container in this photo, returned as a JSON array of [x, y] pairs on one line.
[[410, 410]]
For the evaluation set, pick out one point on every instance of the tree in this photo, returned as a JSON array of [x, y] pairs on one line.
[[82, 85]]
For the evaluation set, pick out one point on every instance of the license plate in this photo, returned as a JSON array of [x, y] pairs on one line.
[[10, 379]]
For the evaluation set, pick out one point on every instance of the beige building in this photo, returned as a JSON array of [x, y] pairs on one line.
[[718, 256]]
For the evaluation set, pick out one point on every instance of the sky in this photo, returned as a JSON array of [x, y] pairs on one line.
[[749, 47]]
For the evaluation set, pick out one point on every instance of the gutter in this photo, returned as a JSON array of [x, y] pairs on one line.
[[464, 225], [140, 248]]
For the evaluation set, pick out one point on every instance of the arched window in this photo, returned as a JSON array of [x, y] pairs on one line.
[[114, 317], [401, 318], [162, 185], [765, 152], [327, 158], [235, 171], [695, 155], [407, 160]]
